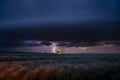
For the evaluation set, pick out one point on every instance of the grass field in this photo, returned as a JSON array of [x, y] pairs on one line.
[[35, 66]]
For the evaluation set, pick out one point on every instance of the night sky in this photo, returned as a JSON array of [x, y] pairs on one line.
[[74, 26]]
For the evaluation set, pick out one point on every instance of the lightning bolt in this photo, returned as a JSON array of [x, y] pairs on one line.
[[54, 48]]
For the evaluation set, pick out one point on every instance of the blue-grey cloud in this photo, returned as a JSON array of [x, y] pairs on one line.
[[16, 12], [6, 44]]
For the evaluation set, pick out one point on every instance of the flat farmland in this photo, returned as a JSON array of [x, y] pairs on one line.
[[48, 66]]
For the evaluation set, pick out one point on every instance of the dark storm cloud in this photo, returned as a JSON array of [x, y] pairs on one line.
[[36, 43], [79, 44], [115, 43], [68, 32], [46, 43], [10, 43], [24, 43], [88, 43]]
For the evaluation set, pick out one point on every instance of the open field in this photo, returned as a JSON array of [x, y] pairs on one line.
[[35, 66]]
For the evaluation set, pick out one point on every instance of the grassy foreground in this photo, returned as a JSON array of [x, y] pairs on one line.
[[23, 66]]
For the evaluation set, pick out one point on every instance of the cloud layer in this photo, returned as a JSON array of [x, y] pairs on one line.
[[70, 23], [44, 11]]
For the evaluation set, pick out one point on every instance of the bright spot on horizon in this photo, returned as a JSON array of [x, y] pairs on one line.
[[83, 48]]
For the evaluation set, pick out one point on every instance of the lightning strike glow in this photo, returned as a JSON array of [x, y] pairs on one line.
[[54, 48]]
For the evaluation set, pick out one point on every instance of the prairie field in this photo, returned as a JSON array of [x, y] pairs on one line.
[[39, 66]]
